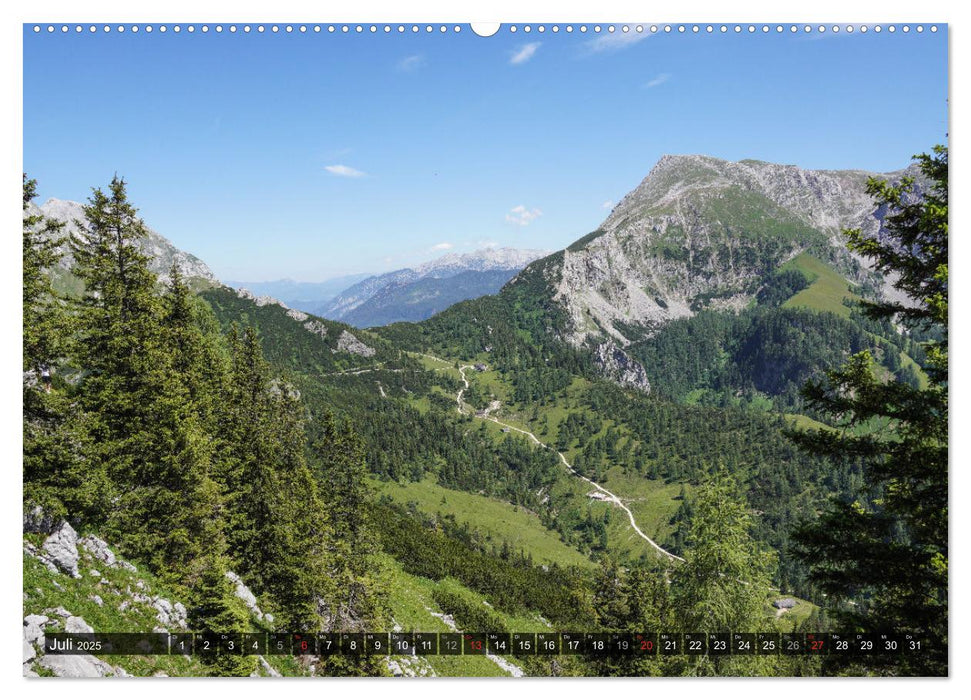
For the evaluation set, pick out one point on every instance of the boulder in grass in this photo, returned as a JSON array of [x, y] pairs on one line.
[[34, 629], [99, 549], [77, 625], [76, 666], [61, 548], [784, 603]]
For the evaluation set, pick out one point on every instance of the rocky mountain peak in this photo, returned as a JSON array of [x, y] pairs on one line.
[[701, 232], [161, 251]]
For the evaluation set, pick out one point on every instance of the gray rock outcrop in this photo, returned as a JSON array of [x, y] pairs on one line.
[[246, 595], [348, 342], [77, 625], [61, 549], [77, 666], [621, 367], [316, 327], [99, 549]]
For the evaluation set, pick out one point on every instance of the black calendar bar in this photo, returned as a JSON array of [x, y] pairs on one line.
[[645, 644]]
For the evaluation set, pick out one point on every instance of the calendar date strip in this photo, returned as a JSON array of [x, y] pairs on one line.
[[481, 643]]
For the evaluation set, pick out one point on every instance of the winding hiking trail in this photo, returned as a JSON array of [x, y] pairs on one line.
[[610, 497]]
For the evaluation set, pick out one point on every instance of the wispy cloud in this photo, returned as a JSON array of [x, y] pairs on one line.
[[609, 204], [409, 64], [343, 171], [523, 53], [615, 41], [522, 216], [438, 247], [657, 80]]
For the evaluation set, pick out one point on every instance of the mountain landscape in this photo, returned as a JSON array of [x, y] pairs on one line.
[[414, 294], [517, 441], [160, 251], [306, 296]]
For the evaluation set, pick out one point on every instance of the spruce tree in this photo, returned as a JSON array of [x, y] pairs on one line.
[[57, 476], [339, 456], [881, 556], [277, 527], [358, 593], [215, 609], [725, 579], [254, 529], [145, 429], [298, 582], [43, 327]]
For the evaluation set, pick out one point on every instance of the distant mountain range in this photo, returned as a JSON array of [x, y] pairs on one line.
[[307, 296], [414, 294]]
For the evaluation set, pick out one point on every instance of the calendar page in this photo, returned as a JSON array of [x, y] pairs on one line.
[[528, 349]]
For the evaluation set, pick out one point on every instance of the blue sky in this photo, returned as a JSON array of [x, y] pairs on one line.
[[309, 156]]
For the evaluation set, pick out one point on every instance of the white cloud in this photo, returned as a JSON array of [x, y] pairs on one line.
[[615, 41], [523, 53], [659, 79], [410, 63], [441, 246], [521, 216], [607, 205], [343, 171]]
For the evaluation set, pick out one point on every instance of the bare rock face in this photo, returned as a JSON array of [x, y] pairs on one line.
[[61, 548], [262, 300], [621, 367], [77, 666], [169, 614], [29, 652], [348, 342], [77, 625], [34, 629], [99, 549], [316, 327], [161, 252], [700, 232], [245, 594]]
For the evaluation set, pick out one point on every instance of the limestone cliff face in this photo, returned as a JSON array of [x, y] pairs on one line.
[[700, 232], [162, 253]]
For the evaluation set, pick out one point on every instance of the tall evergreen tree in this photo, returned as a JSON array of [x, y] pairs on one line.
[[215, 609], [358, 598], [56, 475], [44, 320], [339, 455], [725, 579], [882, 556], [278, 528], [250, 481], [145, 430]]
